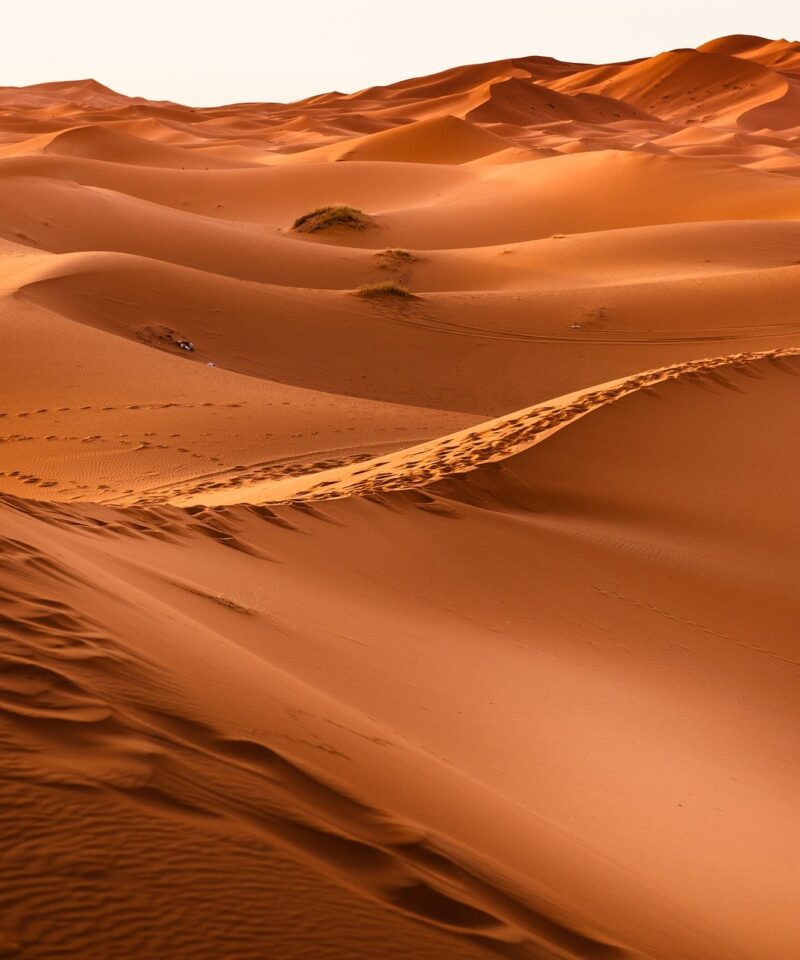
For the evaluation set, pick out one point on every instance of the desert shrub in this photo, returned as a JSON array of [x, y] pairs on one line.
[[397, 256], [387, 288], [323, 218]]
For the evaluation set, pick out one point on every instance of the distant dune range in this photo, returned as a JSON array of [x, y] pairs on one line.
[[456, 620]]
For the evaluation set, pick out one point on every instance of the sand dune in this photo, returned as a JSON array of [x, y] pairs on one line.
[[686, 85], [779, 55], [515, 101], [170, 762], [523, 201], [439, 140], [97, 142], [422, 585]]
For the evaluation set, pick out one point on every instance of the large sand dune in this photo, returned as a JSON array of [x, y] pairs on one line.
[[459, 622]]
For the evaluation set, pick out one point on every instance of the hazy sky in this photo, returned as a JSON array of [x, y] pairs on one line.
[[206, 52]]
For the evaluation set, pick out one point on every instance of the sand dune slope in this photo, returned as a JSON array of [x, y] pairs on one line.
[[686, 84], [439, 140], [97, 142], [610, 519], [515, 101]]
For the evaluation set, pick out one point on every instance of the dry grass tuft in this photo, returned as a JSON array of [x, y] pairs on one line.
[[386, 288], [324, 218], [397, 256]]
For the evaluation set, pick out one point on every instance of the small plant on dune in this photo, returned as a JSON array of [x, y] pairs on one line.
[[324, 218], [387, 288], [397, 256]]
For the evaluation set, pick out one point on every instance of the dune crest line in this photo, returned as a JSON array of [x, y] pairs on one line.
[[466, 450]]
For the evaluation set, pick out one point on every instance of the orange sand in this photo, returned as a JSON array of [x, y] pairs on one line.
[[455, 625]]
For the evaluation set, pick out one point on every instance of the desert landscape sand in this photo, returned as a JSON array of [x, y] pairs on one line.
[[399, 511]]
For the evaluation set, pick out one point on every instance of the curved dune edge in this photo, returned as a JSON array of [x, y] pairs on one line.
[[458, 452]]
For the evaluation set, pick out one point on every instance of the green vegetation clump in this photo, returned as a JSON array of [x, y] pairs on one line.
[[324, 218], [386, 288]]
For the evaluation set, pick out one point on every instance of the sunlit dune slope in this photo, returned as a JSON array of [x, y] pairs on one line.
[[439, 140], [97, 142]]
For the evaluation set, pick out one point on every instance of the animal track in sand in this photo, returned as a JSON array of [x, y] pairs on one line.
[[243, 475], [108, 409]]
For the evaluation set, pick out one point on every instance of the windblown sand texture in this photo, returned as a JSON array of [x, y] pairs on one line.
[[454, 620]]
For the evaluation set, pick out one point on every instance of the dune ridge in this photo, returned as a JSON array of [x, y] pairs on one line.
[[466, 450]]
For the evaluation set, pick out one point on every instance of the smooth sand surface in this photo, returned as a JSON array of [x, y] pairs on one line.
[[461, 623]]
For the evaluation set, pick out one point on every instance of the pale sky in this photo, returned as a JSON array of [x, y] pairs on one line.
[[208, 52]]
